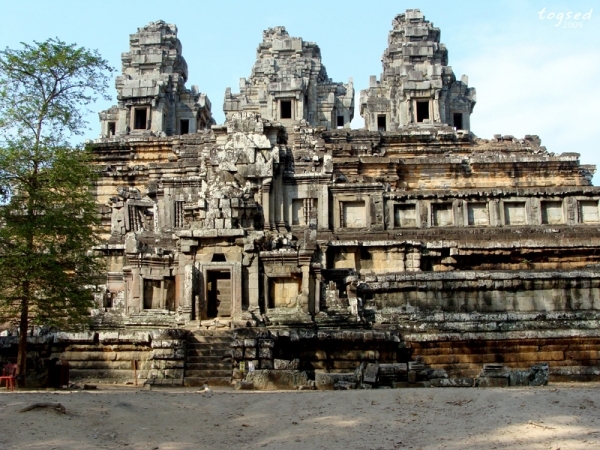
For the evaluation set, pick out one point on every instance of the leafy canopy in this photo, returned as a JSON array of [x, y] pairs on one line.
[[47, 210]]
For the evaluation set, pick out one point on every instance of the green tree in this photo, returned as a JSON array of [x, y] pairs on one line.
[[47, 210]]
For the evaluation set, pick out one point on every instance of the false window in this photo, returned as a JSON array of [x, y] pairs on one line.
[[514, 213], [588, 211], [478, 214], [353, 215], [405, 216], [442, 214], [552, 213]]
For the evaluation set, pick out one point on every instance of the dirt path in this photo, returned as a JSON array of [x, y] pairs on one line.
[[557, 417]]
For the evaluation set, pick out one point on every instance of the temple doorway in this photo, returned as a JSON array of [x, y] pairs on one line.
[[219, 295]]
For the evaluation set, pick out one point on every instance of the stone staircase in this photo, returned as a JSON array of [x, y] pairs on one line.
[[208, 358]]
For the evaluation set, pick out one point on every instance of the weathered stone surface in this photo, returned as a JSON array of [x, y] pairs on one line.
[[284, 364], [453, 382], [539, 375], [344, 386], [492, 382], [371, 373], [278, 379], [326, 381], [243, 385], [325, 244]]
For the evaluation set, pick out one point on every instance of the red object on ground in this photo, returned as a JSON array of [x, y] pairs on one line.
[[9, 374]]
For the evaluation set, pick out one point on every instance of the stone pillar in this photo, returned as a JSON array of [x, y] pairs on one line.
[[304, 296], [323, 208], [188, 289], [266, 203], [253, 290], [279, 196]]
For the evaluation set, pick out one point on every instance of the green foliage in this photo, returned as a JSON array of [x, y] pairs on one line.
[[47, 210]]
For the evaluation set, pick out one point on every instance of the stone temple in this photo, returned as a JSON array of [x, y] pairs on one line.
[[289, 250]]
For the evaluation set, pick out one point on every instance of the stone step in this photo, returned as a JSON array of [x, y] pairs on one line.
[[198, 381], [210, 339], [208, 352], [207, 359], [208, 373], [205, 345], [207, 366], [217, 332]]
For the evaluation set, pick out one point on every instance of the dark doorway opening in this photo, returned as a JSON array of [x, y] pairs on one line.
[[219, 295], [140, 119], [112, 128], [184, 126], [381, 123], [422, 111], [340, 121], [458, 123], [286, 109]]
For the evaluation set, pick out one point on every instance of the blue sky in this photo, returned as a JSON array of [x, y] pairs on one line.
[[534, 73]]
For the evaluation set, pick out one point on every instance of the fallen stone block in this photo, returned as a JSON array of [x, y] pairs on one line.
[[243, 385], [371, 373], [519, 378], [344, 386], [326, 381], [539, 375], [453, 382], [492, 382]]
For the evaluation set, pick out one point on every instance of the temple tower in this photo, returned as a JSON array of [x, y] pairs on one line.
[[417, 87]]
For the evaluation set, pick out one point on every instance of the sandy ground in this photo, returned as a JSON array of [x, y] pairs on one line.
[[561, 416]]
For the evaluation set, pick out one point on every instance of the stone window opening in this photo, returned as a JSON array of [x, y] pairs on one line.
[[218, 257], [340, 121], [112, 128], [458, 121], [108, 300], [381, 123], [184, 126], [179, 214], [136, 219], [285, 109], [301, 210], [140, 120], [422, 111]]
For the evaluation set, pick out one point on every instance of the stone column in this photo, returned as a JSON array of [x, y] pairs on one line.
[[305, 288], [266, 203], [253, 290], [279, 202]]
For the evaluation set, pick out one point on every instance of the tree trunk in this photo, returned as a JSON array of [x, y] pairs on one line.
[[23, 326]]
